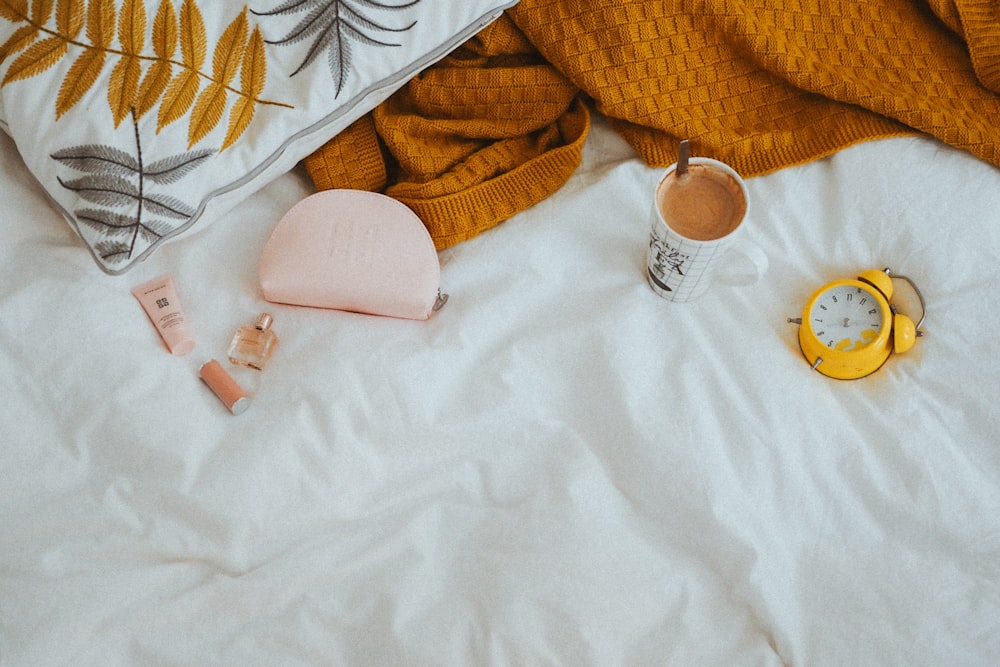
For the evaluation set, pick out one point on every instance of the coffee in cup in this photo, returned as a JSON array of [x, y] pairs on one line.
[[702, 204], [695, 215]]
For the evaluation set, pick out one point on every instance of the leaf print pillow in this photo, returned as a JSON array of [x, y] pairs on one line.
[[144, 118]]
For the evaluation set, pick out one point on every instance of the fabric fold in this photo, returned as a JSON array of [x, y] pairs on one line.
[[499, 125], [487, 132]]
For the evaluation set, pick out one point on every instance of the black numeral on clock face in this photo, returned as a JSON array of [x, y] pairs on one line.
[[846, 316]]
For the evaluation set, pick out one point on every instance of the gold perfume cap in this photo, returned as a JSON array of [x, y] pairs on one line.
[[264, 322]]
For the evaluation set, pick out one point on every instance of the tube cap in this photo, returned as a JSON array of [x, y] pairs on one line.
[[184, 344]]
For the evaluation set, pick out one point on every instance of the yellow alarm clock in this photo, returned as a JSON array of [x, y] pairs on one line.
[[849, 327]]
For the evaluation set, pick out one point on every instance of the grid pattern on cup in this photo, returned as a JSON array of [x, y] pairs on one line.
[[678, 268]]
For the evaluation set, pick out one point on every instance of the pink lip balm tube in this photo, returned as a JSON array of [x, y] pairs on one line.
[[225, 387]]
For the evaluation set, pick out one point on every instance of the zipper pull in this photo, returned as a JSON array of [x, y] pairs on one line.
[[441, 300]]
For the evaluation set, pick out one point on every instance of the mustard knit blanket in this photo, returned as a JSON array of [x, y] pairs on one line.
[[500, 124]]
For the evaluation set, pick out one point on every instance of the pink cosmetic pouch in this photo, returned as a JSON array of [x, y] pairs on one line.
[[353, 250]]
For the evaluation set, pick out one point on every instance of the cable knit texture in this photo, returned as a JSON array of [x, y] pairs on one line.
[[500, 124]]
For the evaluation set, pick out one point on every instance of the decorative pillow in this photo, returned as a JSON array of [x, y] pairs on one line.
[[142, 118]]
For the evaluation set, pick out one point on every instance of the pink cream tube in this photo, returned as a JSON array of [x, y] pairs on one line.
[[160, 301]]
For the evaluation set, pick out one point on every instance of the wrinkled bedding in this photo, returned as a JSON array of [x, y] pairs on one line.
[[557, 468]]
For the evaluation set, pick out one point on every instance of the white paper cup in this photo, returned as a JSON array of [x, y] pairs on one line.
[[695, 222]]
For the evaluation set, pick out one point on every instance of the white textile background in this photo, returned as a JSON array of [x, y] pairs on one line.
[[558, 468]]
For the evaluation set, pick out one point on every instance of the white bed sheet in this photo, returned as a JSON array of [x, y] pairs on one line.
[[558, 468]]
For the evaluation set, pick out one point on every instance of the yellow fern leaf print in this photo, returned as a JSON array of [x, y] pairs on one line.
[[21, 38], [229, 50], [41, 10], [228, 55], [36, 59], [178, 98], [207, 112], [70, 17], [132, 27], [82, 76], [252, 80], [158, 76], [123, 89], [13, 10], [194, 43], [157, 67], [101, 23]]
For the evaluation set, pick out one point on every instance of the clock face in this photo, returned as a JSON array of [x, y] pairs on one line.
[[846, 318]]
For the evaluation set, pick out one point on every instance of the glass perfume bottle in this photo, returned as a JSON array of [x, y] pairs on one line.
[[253, 345]]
